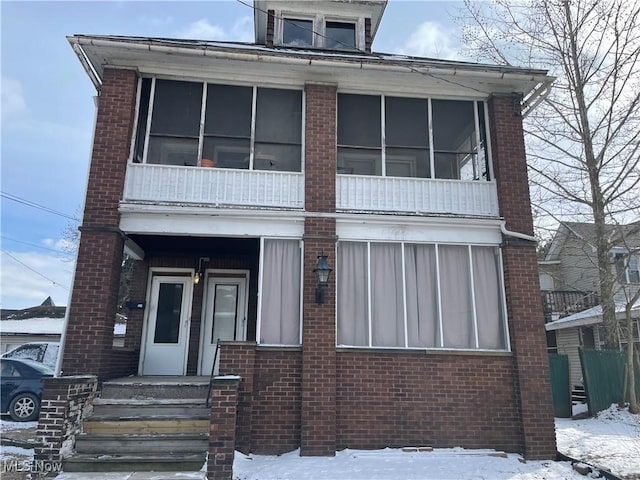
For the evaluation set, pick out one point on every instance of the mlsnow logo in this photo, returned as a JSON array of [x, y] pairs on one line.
[[37, 466]]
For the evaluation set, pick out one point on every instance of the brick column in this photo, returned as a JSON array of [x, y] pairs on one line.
[[89, 337], [222, 433], [66, 402], [524, 305], [318, 415]]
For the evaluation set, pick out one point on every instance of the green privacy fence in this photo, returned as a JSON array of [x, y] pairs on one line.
[[603, 373], [560, 390]]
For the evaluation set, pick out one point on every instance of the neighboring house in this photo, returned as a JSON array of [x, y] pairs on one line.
[[43, 323], [228, 169], [571, 291]]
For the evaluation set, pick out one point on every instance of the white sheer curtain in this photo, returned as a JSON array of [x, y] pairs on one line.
[[486, 282], [387, 304], [280, 314], [353, 304], [422, 295], [455, 294]]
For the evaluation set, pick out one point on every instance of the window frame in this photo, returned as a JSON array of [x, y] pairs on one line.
[[292, 17], [504, 321], [482, 139], [203, 110]]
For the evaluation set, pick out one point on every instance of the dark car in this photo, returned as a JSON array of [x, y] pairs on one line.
[[21, 383]]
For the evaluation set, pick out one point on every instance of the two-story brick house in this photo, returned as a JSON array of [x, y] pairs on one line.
[[227, 169]]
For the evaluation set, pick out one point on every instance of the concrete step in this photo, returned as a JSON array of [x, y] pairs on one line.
[[150, 407], [133, 463], [156, 388], [145, 425], [142, 443]]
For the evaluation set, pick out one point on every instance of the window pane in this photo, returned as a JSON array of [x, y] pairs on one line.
[[283, 158], [453, 126], [455, 294], [359, 120], [406, 122], [387, 304], [280, 315], [297, 32], [483, 153], [461, 166], [168, 313], [228, 111], [173, 151], [422, 296], [340, 35], [359, 161], [488, 298], [279, 116], [227, 152], [407, 162], [177, 108], [143, 112], [353, 306]]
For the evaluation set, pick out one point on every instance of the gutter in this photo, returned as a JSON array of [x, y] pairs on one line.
[[93, 75], [521, 236]]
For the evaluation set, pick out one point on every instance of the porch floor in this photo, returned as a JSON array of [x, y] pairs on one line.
[[160, 380]]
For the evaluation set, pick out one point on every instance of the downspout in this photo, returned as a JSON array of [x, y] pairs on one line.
[[63, 337], [521, 236]]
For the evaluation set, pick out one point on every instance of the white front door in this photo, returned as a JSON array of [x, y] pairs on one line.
[[167, 333], [225, 316]]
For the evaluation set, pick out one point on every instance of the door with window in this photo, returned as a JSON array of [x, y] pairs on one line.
[[225, 316], [168, 321]]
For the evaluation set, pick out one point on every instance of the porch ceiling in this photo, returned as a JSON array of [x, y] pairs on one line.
[[161, 244]]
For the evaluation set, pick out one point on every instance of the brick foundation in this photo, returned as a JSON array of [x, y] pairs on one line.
[[222, 434]]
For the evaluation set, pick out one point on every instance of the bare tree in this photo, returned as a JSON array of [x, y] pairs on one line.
[[584, 138]]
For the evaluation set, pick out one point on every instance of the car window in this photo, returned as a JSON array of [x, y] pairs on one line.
[[30, 351], [51, 354], [9, 370]]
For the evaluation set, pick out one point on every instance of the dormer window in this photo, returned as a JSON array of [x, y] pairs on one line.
[[340, 35], [297, 32]]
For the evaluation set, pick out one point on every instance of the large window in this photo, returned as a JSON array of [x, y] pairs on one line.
[[391, 136], [627, 268], [228, 126], [420, 296]]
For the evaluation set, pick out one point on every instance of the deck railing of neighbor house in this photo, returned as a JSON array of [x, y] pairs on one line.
[[561, 303], [217, 186], [416, 195]]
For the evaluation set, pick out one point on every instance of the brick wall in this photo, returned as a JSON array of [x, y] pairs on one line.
[[395, 399], [222, 432], [526, 318], [92, 308], [66, 402]]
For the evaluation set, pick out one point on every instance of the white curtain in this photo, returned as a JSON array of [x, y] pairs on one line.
[[387, 310], [353, 303], [455, 294], [422, 295], [486, 282], [280, 293]]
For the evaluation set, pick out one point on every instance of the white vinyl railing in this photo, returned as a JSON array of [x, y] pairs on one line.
[[416, 195], [217, 186]]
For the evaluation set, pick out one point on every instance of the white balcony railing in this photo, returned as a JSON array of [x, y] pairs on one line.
[[216, 186], [416, 195]]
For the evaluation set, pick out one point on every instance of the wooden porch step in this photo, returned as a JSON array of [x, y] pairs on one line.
[[192, 407], [142, 443], [130, 463], [141, 425], [155, 388]]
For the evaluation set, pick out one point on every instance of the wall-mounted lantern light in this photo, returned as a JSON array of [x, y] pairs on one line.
[[198, 276], [322, 271]]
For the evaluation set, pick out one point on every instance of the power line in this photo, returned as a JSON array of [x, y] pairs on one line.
[[34, 245], [35, 271], [29, 203]]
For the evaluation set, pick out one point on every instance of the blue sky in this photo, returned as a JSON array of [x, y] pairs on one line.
[[47, 110]]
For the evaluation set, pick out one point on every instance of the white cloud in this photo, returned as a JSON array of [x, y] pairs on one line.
[[432, 40], [203, 30], [13, 101], [21, 287], [243, 30]]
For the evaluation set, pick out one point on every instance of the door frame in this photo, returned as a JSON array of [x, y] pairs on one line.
[[209, 275], [186, 273]]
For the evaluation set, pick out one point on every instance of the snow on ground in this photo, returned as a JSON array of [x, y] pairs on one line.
[[611, 440], [394, 464]]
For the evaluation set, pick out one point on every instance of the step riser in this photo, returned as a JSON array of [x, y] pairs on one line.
[[125, 446], [131, 466], [150, 391], [145, 428], [150, 410]]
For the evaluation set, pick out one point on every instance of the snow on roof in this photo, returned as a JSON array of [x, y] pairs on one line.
[[44, 326], [589, 317]]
